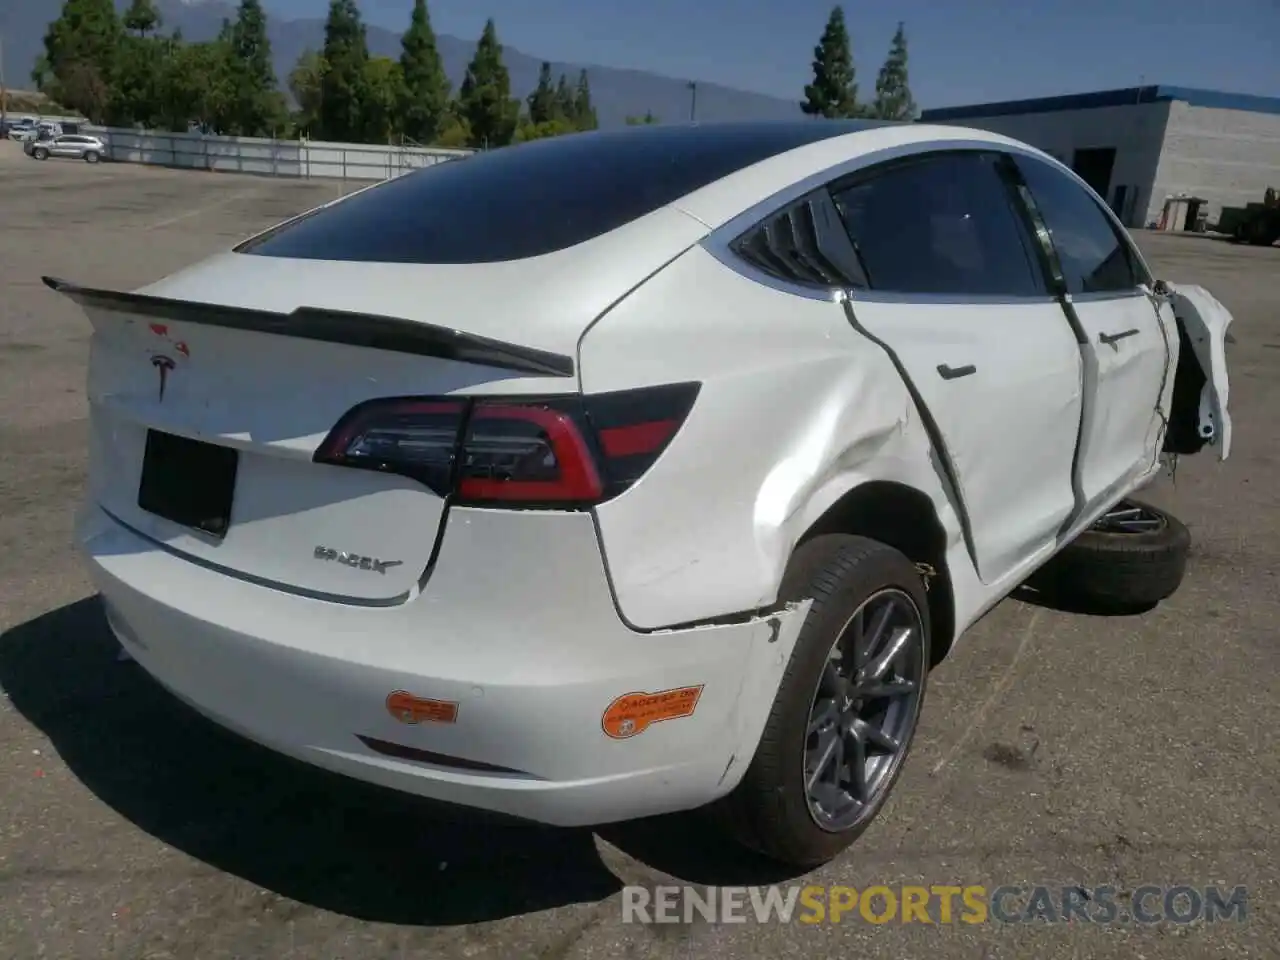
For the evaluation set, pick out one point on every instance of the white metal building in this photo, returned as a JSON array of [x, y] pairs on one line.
[[1159, 155]]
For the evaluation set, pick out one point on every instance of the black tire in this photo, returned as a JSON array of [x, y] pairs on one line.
[[40, 153], [769, 810], [1121, 570], [92, 157]]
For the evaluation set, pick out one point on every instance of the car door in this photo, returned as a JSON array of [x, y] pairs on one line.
[[63, 147], [957, 297], [1128, 334]]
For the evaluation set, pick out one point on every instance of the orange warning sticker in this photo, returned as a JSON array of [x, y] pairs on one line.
[[407, 708], [632, 713]]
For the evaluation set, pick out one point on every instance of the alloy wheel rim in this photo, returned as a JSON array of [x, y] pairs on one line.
[[1127, 517], [864, 710]]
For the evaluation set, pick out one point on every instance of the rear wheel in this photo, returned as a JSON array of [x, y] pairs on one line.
[[1131, 559], [846, 711], [40, 153], [92, 157]]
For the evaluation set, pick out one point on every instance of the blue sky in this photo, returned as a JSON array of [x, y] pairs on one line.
[[962, 51]]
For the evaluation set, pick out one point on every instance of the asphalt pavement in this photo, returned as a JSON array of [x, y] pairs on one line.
[[1057, 747]]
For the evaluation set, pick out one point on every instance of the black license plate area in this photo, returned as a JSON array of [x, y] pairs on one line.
[[189, 482]]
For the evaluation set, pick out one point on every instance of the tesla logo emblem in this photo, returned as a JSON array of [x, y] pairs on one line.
[[163, 365]]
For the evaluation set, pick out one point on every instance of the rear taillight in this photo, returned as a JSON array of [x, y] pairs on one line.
[[547, 452], [414, 438]]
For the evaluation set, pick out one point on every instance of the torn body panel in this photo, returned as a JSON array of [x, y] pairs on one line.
[[767, 662], [1200, 415], [821, 410]]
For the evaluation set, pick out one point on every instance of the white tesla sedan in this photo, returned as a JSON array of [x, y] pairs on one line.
[[637, 471]]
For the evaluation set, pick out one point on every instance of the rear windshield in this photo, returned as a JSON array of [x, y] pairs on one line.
[[534, 198]]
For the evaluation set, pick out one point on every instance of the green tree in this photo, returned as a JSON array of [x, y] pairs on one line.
[[80, 50], [425, 91], [342, 86], [257, 107], [834, 91], [455, 132], [584, 112], [542, 102], [198, 85], [564, 105], [485, 97], [142, 17], [305, 81], [647, 120], [893, 94], [137, 93], [555, 127], [380, 104]]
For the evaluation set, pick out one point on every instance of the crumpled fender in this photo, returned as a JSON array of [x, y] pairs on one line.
[[1205, 321]]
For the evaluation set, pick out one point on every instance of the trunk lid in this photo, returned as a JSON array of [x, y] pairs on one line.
[[234, 353]]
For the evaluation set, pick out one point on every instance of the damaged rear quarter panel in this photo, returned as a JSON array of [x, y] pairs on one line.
[[795, 410]]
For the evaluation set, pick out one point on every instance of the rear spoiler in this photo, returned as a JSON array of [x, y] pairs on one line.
[[330, 326]]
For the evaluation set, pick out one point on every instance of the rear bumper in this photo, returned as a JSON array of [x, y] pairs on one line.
[[528, 646]]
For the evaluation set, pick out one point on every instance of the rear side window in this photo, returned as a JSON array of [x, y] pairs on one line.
[[940, 224], [535, 198], [1095, 257]]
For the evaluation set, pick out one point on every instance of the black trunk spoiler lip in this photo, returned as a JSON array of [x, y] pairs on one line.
[[331, 326]]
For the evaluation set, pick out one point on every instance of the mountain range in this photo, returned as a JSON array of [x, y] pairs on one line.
[[616, 93]]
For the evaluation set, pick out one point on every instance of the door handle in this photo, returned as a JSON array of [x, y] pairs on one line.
[[1111, 339], [948, 372]]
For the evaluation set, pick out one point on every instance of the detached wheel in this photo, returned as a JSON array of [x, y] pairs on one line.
[[846, 711], [1132, 558]]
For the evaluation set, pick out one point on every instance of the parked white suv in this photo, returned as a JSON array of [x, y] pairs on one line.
[[629, 472]]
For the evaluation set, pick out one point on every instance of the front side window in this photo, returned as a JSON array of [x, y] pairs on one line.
[[1095, 257], [942, 224]]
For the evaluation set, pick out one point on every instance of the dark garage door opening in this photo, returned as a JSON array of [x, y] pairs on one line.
[[1093, 166]]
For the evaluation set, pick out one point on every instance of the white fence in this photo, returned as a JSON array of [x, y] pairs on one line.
[[277, 158]]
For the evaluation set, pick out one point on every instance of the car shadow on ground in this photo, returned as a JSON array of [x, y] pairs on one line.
[[303, 833], [1051, 598]]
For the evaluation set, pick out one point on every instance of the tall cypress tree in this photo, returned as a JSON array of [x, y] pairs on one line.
[[584, 111], [485, 97], [834, 91], [893, 95], [346, 58], [256, 107], [426, 87], [542, 102], [565, 108]]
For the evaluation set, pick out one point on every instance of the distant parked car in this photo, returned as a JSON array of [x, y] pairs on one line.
[[20, 129], [41, 130], [76, 146]]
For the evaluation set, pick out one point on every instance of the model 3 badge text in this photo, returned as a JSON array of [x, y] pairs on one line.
[[356, 560]]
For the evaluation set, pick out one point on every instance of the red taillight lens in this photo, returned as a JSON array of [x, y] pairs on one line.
[[556, 452], [526, 453], [634, 427], [413, 438]]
